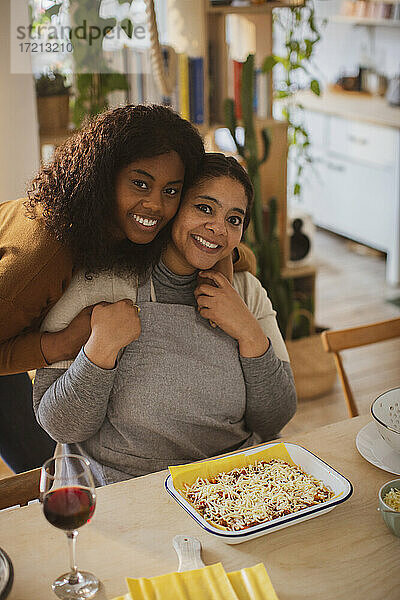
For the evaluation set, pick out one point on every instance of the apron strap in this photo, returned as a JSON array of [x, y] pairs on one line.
[[146, 291], [152, 291]]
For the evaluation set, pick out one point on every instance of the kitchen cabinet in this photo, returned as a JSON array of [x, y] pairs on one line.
[[353, 185]]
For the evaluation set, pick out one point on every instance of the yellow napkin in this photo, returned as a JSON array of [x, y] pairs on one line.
[[211, 583], [252, 583], [208, 582]]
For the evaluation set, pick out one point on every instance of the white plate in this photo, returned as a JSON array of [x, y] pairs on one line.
[[376, 451], [311, 464]]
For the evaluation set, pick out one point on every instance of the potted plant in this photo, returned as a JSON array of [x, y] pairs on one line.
[[52, 94], [93, 78]]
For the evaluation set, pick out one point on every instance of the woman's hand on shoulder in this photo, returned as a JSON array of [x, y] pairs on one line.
[[221, 304], [114, 326]]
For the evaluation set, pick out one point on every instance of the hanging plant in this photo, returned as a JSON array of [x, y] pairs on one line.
[[302, 34]]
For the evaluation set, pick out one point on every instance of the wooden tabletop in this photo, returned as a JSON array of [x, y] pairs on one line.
[[346, 554]]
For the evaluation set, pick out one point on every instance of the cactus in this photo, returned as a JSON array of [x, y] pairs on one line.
[[265, 244]]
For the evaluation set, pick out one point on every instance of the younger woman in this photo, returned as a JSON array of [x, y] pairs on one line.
[[180, 390], [103, 203]]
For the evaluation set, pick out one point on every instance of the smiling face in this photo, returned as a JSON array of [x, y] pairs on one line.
[[148, 193], [209, 225]]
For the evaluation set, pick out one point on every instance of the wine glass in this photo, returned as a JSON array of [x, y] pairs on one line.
[[68, 496]]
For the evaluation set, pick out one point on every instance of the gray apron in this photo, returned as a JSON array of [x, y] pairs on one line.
[[179, 394]]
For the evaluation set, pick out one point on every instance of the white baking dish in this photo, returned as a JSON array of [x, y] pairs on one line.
[[302, 457]]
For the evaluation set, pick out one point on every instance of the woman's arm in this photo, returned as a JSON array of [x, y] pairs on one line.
[[245, 259], [21, 353], [34, 273], [34, 349], [71, 405], [270, 390], [270, 394]]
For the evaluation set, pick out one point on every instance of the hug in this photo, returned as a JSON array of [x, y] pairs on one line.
[[175, 358], [162, 386]]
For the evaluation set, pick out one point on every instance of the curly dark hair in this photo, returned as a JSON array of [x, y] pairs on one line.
[[75, 193], [216, 164]]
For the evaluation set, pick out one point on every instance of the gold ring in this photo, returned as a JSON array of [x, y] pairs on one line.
[[137, 308]]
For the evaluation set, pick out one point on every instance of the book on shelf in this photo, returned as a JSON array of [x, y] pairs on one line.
[[140, 83], [183, 86], [260, 91], [261, 94], [214, 81], [166, 100], [255, 88], [370, 10], [196, 90], [237, 87]]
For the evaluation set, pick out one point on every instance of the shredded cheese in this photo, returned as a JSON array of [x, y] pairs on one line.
[[257, 493], [392, 499]]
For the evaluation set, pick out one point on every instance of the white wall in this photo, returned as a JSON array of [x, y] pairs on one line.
[[19, 142], [186, 27]]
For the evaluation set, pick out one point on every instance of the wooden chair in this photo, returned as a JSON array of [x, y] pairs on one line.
[[19, 489], [335, 341]]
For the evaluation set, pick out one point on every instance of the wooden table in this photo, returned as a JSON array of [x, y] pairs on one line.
[[347, 554]]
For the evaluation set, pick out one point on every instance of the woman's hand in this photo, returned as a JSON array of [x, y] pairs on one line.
[[223, 306], [224, 266], [114, 326], [65, 344]]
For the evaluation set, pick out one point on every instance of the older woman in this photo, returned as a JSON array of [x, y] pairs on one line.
[[164, 387]]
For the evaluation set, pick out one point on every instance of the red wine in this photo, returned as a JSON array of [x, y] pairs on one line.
[[69, 508]]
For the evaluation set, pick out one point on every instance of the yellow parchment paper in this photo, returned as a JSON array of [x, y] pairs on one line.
[[187, 474]]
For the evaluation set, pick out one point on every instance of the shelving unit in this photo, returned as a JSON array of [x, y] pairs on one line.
[[212, 23], [274, 171], [212, 45], [366, 21], [252, 9]]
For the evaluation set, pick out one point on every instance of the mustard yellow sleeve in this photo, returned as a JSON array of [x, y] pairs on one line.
[[21, 316], [21, 353], [246, 261]]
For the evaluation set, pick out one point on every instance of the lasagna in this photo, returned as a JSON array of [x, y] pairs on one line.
[[251, 495]]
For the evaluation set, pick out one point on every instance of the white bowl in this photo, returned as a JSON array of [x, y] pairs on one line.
[[311, 464], [385, 411]]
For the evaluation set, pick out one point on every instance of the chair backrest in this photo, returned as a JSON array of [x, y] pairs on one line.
[[19, 489], [354, 337]]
